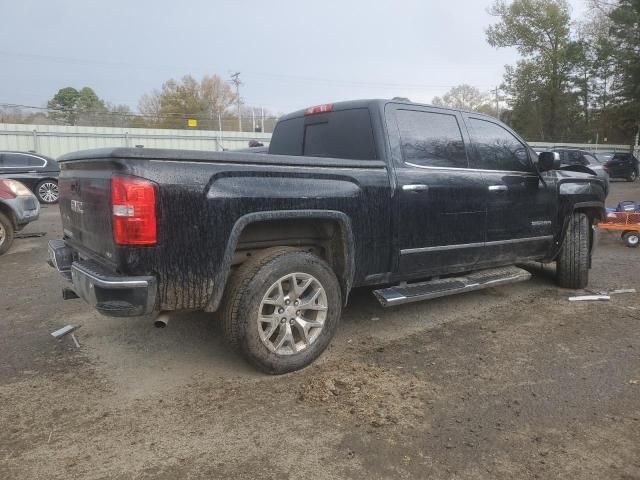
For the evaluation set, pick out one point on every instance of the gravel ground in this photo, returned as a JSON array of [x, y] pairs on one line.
[[511, 382]]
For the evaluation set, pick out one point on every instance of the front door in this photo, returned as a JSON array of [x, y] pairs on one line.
[[441, 215], [521, 206]]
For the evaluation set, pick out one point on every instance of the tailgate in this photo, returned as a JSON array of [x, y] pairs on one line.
[[85, 206]]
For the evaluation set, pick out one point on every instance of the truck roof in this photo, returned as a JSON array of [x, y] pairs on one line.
[[376, 103]]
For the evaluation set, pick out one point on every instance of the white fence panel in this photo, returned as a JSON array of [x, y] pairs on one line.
[[55, 140]]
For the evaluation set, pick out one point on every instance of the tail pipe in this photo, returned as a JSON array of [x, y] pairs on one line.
[[161, 320]]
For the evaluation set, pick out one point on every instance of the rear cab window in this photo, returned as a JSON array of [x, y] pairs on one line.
[[344, 134]]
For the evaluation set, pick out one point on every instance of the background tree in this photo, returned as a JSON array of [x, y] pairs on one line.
[[466, 97], [77, 107], [540, 31], [63, 105], [625, 38], [176, 101]]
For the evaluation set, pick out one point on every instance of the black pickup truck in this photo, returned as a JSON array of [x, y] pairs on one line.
[[418, 201]]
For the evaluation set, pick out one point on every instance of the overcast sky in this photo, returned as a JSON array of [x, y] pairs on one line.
[[291, 54]]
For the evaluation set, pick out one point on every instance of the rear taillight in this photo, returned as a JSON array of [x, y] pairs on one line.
[[133, 202]]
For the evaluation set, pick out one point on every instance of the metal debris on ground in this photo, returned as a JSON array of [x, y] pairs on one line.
[[586, 298], [66, 330], [30, 235], [622, 290]]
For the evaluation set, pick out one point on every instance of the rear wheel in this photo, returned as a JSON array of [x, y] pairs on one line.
[[572, 264], [631, 239], [7, 233], [47, 191], [281, 309]]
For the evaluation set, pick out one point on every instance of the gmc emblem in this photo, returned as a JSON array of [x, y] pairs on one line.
[[76, 206]]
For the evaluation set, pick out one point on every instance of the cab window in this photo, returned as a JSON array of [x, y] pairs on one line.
[[497, 148]]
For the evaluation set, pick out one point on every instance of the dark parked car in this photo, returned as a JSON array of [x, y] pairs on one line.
[[418, 201], [574, 157], [620, 165], [37, 172], [18, 206]]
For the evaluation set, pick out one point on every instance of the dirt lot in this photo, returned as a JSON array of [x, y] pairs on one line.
[[512, 382]]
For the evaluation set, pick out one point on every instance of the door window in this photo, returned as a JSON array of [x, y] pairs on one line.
[[431, 139], [21, 161], [497, 148]]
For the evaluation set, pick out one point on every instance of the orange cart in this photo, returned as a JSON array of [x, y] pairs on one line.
[[626, 223]]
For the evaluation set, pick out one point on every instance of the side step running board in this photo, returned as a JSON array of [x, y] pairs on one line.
[[415, 292]]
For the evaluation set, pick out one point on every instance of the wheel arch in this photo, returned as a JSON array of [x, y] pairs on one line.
[[342, 261], [9, 213]]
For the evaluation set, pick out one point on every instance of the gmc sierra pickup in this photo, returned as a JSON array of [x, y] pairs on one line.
[[416, 200]]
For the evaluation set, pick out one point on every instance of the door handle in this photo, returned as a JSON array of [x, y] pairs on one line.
[[497, 188], [415, 187]]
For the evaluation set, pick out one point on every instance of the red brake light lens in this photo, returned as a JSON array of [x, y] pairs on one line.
[[133, 202], [327, 107]]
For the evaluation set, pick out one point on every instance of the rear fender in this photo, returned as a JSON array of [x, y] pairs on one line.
[[345, 277]]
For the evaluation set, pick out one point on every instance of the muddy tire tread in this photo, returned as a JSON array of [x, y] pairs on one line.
[[573, 261]]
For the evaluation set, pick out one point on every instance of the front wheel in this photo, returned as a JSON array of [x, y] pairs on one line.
[[7, 233], [631, 239], [47, 191], [572, 264], [632, 176], [281, 309]]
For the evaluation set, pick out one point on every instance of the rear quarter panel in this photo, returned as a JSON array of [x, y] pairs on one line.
[[200, 204]]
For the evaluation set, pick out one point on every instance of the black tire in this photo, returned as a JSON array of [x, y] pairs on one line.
[[44, 191], [633, 176], [7, 233], [243, 296], [631, 239], [572, 264]]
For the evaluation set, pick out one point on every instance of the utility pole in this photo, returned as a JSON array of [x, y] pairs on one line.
[[262, 120], [235, 79], [497, 105]]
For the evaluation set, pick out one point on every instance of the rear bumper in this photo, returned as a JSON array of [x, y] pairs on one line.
[[25, 208], [109, 293]]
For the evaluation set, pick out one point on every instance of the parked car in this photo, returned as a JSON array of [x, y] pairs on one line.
[[620, 165], [575, 157], [37, 172], [18, 207], [418, 201]]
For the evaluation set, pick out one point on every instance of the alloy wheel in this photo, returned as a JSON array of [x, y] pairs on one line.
[[292, 313], [48, 192]]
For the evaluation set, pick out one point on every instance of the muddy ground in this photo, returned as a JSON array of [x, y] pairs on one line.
[[507, 383]]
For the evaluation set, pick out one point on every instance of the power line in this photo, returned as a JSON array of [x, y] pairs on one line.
[[284, 77], [119, 114]]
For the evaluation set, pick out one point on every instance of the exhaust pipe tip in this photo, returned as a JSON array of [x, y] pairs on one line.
[[161, 320]]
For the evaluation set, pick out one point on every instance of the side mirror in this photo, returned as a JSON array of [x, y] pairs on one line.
[[548, 161]]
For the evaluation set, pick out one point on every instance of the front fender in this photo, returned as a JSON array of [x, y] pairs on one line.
[[578, 194]]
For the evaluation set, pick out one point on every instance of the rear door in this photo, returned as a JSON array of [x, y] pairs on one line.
[[22, 167], [521, 208], [440, 208]]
